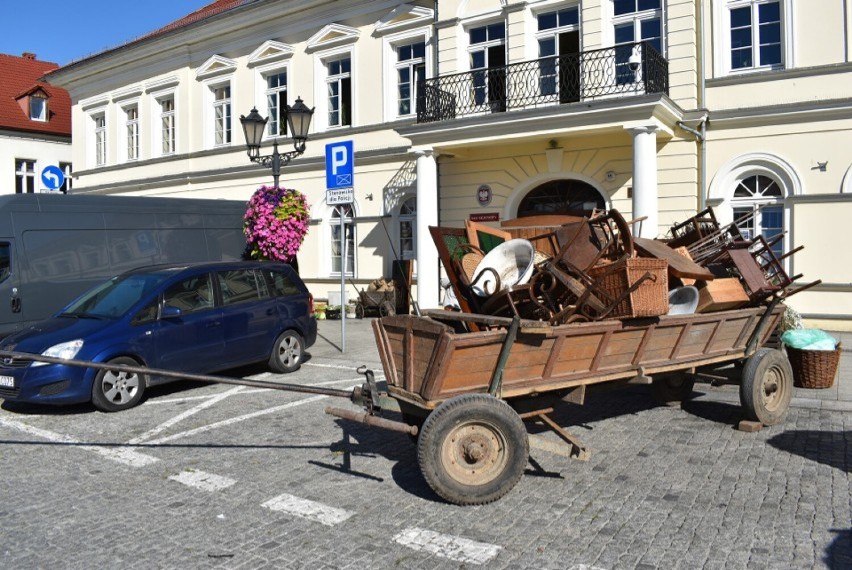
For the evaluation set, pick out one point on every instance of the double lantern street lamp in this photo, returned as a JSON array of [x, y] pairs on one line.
[[298, 121]]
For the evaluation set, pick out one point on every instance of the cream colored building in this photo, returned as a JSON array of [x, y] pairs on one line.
[[655, 107]]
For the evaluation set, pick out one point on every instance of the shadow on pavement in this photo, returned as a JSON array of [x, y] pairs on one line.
[[833, 448], [838, 555]]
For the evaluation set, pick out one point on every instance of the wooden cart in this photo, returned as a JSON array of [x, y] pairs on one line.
[[466, 394]]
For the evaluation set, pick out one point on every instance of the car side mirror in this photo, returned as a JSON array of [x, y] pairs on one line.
[[170, 312]]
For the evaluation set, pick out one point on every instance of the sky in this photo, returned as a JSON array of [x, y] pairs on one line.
[[62, 31]]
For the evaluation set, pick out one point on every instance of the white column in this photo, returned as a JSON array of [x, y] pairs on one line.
[[427, 215], [645, 193]]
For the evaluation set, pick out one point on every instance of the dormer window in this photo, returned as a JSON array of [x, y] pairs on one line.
[[38, 107]]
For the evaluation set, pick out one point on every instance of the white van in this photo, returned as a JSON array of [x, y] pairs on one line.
[[53, 246]]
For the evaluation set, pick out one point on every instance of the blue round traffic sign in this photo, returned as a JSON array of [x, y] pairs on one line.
[[52, 177]]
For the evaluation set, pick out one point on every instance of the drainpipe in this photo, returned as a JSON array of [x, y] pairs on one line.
[[700, 134]]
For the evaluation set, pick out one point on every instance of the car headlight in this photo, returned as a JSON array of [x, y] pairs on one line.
[[65, 350]]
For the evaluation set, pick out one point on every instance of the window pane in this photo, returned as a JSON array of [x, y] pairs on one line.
[[546, 47], [770, 33], [741, 38], [282, 285], [496, 31], [740, 17], [547, 21], [770, 12], [5, 260], [478, 35], [741, 59], [624, 6], [569, 17], [650, 29], [770, 55], [190, 295], [624, 33], [238, 286]]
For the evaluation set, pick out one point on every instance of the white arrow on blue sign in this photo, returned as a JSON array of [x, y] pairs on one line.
[[52, 177]]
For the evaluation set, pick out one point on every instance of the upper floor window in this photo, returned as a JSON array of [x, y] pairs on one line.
[[408, 229], [756, 32], [222, 115], [348, 213], [25, 170], [100, 139], [167, 125], [339, 83], [487, 52], [38, 108], [131, 127], [276, 100], [635, 21], [558, 38], [410, 71]]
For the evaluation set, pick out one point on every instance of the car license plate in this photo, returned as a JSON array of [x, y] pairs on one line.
[[7, 381]]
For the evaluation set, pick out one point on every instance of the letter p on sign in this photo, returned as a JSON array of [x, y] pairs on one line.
[[339, 165]]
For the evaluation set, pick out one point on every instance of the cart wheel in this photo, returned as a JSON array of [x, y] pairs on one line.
[[672, 389], [359, 311], [386, 309], [473, 449], [767, 386]]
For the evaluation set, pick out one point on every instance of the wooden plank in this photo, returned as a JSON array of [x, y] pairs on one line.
[[600, 352], [640, 352], [679, 265]]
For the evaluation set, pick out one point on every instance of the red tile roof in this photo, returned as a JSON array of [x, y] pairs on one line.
[[216, 7], [19, 77]]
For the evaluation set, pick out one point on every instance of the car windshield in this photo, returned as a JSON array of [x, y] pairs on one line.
[[114, 298]]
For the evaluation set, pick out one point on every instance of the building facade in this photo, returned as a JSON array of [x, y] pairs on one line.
[[495, 109], [35, 127]]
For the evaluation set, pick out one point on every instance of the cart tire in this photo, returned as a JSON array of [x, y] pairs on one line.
[[114, 391], [386, 309], [359, 311], [767, 386], [287, 352], [473, 449], [672, 389]]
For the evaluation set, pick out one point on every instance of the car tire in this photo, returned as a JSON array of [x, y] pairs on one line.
[[115, 390], [287, 352]]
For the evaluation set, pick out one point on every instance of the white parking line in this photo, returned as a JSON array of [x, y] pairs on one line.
[[235, 420], [306, 509], [447, 546], [190, 412], [202, 480], [119, 454]]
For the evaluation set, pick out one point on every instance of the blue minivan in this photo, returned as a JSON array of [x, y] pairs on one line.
[[196, 318]]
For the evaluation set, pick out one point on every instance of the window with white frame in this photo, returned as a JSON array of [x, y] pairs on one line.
[[558, 38], [65, 167], [25, 170], [131, 132], [221, 114], [339, 85], [756, 34], [276, 102], [100, 133], [38, 107], [635, 21], [167, 125], [408, 229], [487, 53], [410, 71], [758, 206], [348, 212]]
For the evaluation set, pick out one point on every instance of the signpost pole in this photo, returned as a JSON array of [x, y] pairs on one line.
[[342, 282], [339, 171]]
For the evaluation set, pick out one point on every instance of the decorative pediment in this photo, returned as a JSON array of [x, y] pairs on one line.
[[270, 51], [127, 93], [402, 17], [36, 90], [216, 65], [332, 35]]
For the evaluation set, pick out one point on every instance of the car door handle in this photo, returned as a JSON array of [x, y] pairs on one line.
[[15, 301]]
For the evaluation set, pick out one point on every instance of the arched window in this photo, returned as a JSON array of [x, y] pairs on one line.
[[408, 229], [758, 205], [568, 197], [348, 213]]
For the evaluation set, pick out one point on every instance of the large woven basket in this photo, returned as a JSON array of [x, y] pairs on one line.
[[650, 299], [814, 369]]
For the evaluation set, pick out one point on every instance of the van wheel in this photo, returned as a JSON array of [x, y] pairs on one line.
[[116, 390], [287, 353]]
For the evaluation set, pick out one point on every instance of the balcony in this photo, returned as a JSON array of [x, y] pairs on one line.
[[619, 71]]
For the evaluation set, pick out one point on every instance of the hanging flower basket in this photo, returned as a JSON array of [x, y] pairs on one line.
[[275, 223]]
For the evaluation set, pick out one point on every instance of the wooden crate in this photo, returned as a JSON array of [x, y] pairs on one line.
[[721, 294]]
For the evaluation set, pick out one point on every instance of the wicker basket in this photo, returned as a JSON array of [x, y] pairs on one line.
[[814, 369], [651, 297]]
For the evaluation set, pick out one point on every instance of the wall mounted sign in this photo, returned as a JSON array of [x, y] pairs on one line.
[[489, 217], [483, 195]]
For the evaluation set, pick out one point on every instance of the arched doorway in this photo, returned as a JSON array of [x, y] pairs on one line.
[[562, 197]]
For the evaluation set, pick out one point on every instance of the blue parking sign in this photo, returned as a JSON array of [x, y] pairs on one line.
[[339, 165]]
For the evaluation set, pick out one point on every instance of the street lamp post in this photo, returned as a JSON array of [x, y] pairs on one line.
[[298, 120]]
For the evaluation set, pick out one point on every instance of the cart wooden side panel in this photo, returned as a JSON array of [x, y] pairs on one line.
[[426, 362]]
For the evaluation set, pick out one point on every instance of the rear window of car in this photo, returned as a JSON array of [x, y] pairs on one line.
[[282, 284], [241, 285]]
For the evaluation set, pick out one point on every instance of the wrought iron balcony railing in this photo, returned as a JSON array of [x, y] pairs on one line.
[[622, 70]]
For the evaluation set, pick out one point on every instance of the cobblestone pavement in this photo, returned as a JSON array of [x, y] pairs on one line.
[[217, 476]]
